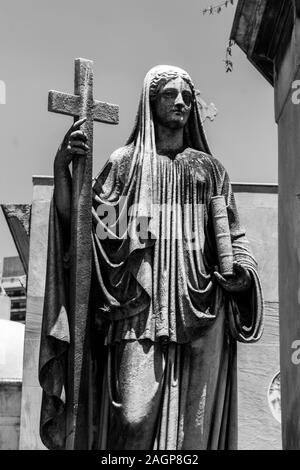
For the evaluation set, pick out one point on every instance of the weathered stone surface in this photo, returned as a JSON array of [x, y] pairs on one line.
[[289, 270], [282, 51], [31, 391], [10, 404], [275, 39], [258, 429], [260, 27], [259, 217], [21, 212], [72, 105], [106, 112], [10, 399], [257, 364], [81, 105]]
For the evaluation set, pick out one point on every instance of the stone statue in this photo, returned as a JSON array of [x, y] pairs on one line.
[[161, 353]]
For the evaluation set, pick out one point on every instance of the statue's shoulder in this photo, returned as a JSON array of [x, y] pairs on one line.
[[121, 154], [120, 161], [116, 165], [208, 160]]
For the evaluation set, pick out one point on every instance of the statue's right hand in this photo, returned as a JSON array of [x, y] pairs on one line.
[[74, 145]]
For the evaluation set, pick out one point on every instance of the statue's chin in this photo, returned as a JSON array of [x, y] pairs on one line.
[[175, 123]]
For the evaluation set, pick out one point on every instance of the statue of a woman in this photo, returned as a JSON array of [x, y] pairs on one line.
[[164, 321]]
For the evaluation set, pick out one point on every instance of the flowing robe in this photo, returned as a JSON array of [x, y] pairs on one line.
[[153, 285]]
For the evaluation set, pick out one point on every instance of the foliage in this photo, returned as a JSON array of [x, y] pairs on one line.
[[211, 10], [217, 8], [228, 57]]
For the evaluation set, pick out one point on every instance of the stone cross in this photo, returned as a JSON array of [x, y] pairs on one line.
[[80, 105]]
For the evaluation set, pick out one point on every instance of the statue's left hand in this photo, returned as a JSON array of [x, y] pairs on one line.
[[240, 281]]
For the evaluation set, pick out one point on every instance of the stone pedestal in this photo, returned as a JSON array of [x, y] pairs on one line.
[[31, 390]]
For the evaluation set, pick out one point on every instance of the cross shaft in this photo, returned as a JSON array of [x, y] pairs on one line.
[[80, 105]]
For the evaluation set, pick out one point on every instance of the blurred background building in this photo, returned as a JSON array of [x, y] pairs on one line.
[[14, 285]]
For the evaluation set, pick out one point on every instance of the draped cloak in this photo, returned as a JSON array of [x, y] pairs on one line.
[[154, 254]]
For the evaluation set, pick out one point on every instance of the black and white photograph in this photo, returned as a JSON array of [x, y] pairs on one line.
[[149, 228]]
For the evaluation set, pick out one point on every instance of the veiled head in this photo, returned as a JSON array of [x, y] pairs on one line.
[[161, 74], [172, 104], [157, 80], [171, 94]]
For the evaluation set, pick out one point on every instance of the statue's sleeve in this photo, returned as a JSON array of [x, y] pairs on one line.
[[54, 339], [109, 184], [245, 309]]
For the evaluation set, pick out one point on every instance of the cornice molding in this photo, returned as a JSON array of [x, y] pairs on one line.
[[261, 27]]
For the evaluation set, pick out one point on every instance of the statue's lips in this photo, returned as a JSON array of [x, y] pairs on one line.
[[179, 113]]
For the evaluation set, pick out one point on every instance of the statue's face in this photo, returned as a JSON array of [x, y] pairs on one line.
[[173, 104]]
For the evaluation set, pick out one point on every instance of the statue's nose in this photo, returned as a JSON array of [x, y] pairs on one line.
[[179, 100]]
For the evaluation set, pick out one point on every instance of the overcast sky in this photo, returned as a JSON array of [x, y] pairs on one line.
[[39, 41]]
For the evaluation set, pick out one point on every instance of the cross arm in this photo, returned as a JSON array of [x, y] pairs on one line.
[[106, 112], [64, 103], [70, 105]]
